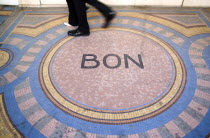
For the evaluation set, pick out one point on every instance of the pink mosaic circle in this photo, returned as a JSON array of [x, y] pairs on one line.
[[106, 88]]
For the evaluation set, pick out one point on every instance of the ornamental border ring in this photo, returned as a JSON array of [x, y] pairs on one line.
[[114, 117]]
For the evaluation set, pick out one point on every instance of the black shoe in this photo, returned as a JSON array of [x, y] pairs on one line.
[[77, 32], [72, 31], [109, 18]]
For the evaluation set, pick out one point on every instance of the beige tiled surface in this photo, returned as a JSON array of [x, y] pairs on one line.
[[203, 3], [29, 2], [197, 3]]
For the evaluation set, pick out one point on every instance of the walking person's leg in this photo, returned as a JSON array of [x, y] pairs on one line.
[[83, 27], [107, 12], [72, 20]]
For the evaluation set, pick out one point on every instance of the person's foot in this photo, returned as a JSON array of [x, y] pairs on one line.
[[87, 8], [70, 27], [108, 19], [77, 32], [67, 24]]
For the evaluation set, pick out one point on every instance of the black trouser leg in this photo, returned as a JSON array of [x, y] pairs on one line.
[[72, 13], [80, 9], [105, 10]]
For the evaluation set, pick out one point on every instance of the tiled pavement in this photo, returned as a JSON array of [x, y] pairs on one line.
[[147, 75], [5, 11]]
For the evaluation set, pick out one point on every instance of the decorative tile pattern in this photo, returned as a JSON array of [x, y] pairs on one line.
[[6, 129], [5, 11], [107, 95], [59, 86], [4, 58]]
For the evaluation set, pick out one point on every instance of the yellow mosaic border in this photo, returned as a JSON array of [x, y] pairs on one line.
[[183, 30], [1, 34], [188, 32], [4, 57], [6, 128], [5, 13], [34, 32], [179, 76]]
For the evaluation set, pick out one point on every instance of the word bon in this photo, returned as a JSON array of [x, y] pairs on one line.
[[93, 58]]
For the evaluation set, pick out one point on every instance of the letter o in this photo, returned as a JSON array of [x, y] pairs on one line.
[[112, 67]]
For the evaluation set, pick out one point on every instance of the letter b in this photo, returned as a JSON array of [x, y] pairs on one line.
[[84, 59]]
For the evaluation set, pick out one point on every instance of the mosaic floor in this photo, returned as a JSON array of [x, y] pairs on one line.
[[5, 11], [146, 76]]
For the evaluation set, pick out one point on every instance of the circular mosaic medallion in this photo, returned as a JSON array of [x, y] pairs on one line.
[[127, 78]]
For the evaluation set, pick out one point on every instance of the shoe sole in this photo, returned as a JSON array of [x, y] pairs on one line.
[[79, 35]]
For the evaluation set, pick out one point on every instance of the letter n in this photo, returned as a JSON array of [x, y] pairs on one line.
[[140, 64]]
